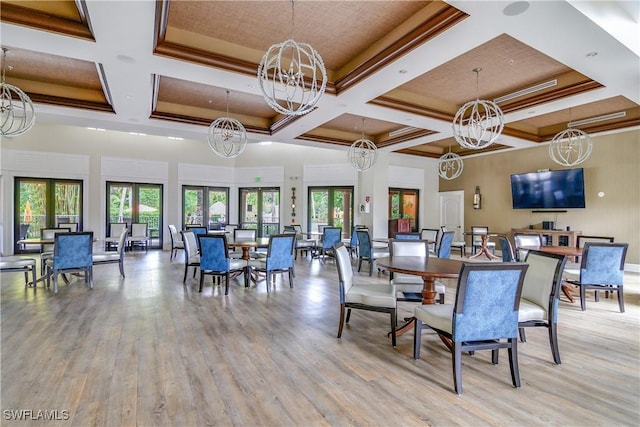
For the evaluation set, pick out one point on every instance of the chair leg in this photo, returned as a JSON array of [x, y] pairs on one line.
[[456, 362], [370, 267], [341, 321], [513, 362], [348, 315], [121, 264], [393, 327], [620, 299], [359, 264], [583, 297], [494, 356], [226, 283], [523, 336], [186, 268], [268, 280], [201, 280], [553, 341], [291, 274], [417, 338]]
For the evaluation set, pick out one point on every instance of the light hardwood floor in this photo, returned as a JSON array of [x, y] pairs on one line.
[[148, 350]]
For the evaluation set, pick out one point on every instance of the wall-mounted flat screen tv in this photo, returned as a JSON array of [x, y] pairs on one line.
[[561, 189]]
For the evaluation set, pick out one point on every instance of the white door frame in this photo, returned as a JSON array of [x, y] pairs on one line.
[[453, 224]]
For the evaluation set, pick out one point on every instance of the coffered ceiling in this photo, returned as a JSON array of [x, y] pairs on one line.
[[398, 70]]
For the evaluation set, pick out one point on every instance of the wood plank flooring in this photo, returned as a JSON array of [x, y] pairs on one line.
[[150, 351]]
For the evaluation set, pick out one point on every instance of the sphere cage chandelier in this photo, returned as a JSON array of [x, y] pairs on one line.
[[227, 137], [478, 124], [363, 153], [17, 115], [570, 147], [450, 166], [294, 73]]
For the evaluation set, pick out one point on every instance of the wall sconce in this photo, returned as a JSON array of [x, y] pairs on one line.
[[477, 198], [293, 202]]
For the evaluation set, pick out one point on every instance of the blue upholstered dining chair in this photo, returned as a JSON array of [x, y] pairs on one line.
[[444, 250], [506, 249], [330, 236], [72, 253], [280, 259], [366, 252], [215, 261], [407, 236], [484, 316], [371, 297], [539, 298], [601, 269]]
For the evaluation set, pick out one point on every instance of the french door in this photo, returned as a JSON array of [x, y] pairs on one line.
[[45, 203], [131, 202], [403, 204], [205, 206], [260, 210], [332, 206]]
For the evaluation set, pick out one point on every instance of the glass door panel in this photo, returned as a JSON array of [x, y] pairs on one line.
[[331, 206], [149, 210], [192, 205], [260, 210], [318, 208], [119, 206], [44, 203], [218, 208], [403, 205]]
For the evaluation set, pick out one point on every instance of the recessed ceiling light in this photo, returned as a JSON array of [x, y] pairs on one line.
[[590, 54], [516, 8], [402, 71]]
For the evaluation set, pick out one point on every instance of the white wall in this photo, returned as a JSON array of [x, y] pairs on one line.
[[56, 151]]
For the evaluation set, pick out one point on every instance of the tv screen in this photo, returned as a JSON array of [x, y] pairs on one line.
[[561, 189]]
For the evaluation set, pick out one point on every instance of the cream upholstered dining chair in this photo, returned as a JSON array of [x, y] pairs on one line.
[[432, 235], [46, 249], [461, 245], [115, 230], [524, 242], [539, 298], [191, 253], [482, 317], [409, 285], [110, 257], [139, 236], [176, 241], [371, 297]]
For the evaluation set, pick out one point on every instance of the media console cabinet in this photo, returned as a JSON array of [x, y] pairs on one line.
[[553, 237]]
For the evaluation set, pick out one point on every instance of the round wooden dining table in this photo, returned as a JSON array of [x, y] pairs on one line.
[[429, 268], [247, 245]]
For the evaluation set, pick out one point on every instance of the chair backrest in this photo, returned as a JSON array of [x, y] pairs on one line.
[[400, 247], [354, 238], [526, 240], [281, 250], [73, 250], [331, 236], [321, 227], [543, 279], [214, 255], [476, 234], [431, 234], [506, 249], [50, 233], [139, 229], [115, 228], [444, 250], [230, 227], [407, 236], [487, 301], [603, 263], [190, 245], [582, 240], [345, 271], [196, 232], [244, 234], [173, 232], [365, 250], [24, 228], [72, 226]]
